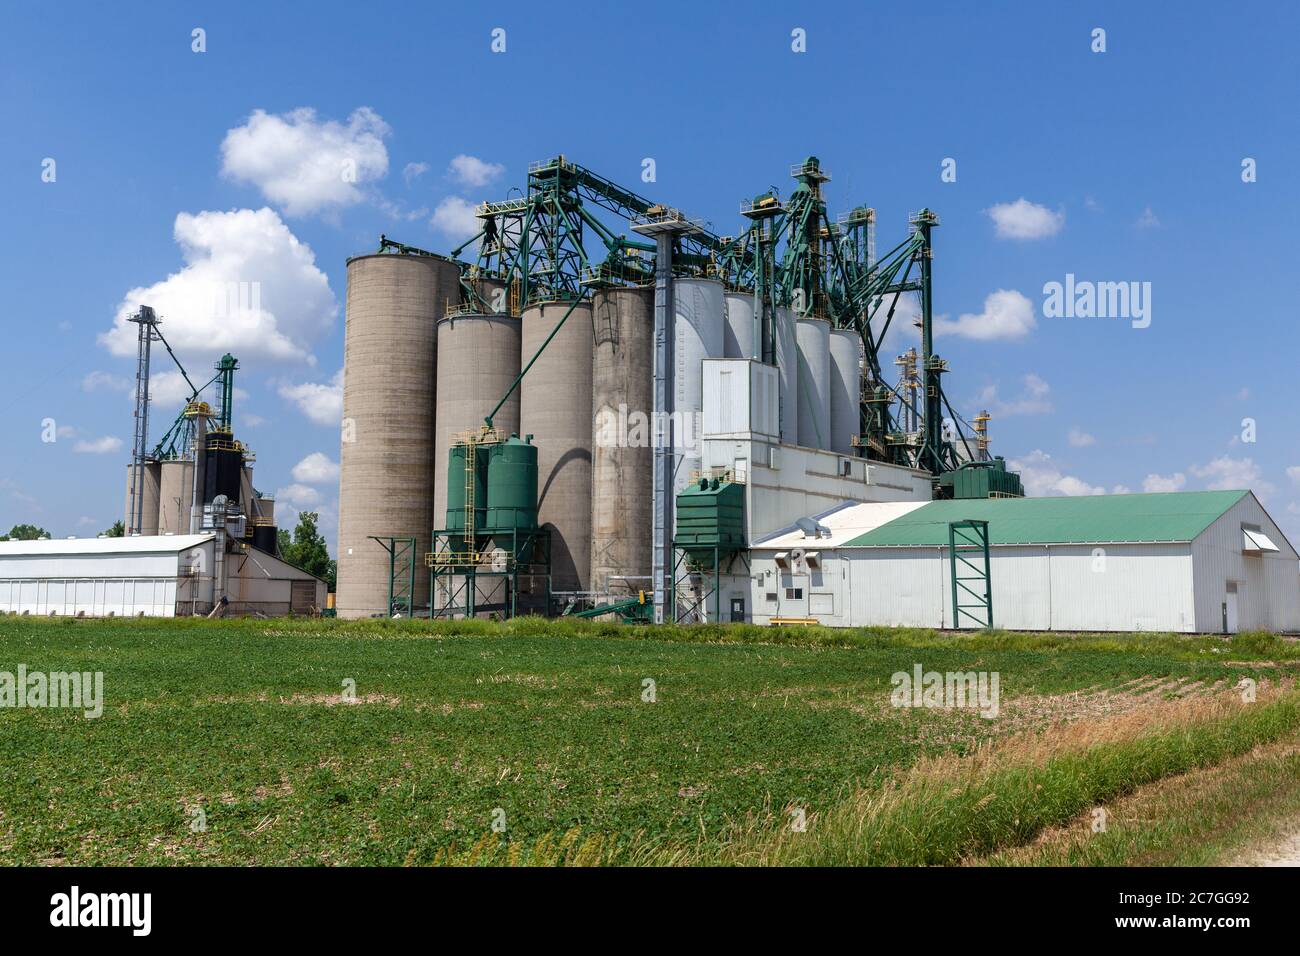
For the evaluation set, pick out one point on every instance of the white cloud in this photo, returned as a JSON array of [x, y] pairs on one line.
[[1294, 473], [1229, 474], [251, 420], [1043, 477], [98, 446], [1148, 219], [97, 380], [317, 468], [454, 217], [298, 496], [166, 389], [474, 172], [1034, 399], [1007, 315], [1078, 438], [1121, 490], [248, 286], [321, 402], [1023, 219], [413, 171], [305, 165], [1159, 483]]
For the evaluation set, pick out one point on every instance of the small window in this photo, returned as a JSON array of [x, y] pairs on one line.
[[771, 596], [794, 594], [1256, 541]]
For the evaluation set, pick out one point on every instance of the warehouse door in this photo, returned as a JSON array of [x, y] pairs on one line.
[[1230, 609], [302, 598]]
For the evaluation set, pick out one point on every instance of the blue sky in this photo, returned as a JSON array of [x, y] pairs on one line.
[[1129, 163]]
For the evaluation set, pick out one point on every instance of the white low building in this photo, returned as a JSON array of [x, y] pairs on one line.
[[153, 575], [1186, 562]]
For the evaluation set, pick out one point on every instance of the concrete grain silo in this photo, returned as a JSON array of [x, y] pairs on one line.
[[149, 492], [622, 456], [175, 494], [813, 337], [697, 335], [478, 359], [845, 386], [387, 451], [555, 408]]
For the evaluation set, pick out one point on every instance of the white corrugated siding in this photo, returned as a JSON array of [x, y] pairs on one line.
[[1268, 585], [93, 597], [1064, 587]]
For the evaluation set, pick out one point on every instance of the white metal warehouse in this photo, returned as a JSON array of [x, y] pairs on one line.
[[1210, 562], [153, 575]]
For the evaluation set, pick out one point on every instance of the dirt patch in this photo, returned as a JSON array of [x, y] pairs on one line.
[[322, 700]]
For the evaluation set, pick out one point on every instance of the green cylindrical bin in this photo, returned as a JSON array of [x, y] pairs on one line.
[[456, 487], [512, 486]]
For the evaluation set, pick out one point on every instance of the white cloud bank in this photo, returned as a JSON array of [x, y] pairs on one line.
[[305, 165], [316, 469], [321, 402], [454, 218], [1042, 476], [473, 172], [248, 286], [1007, 315], [108, 445], [1023, 219]]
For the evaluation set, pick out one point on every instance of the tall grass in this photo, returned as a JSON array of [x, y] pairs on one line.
[[945, 809], [1256, 645]]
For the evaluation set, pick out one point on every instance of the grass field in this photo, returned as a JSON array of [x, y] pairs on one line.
[[542, 726]]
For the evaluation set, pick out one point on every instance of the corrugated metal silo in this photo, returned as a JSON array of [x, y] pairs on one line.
[[787, 361], [555, 408], [845, 385], [176, 491], [814, 342], [387, 452], [149, 492], [478, 359], [738, 333], [697, 335], [622, 457]]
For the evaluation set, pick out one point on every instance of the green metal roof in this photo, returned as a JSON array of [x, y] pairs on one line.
[[1095, 519]]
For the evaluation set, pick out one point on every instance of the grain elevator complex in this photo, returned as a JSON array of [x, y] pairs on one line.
[[598, 406]]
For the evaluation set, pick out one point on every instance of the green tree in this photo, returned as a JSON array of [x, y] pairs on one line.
[[117, 531], [25, 532], [306, 549]]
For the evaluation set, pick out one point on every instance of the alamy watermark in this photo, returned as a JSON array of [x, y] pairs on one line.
[[631, 428], [955, 689], [75, 690], [1084, 299]]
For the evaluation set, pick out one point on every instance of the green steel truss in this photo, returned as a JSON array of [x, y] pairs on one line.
[[553, 242], [972, 583], [401, 574]]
